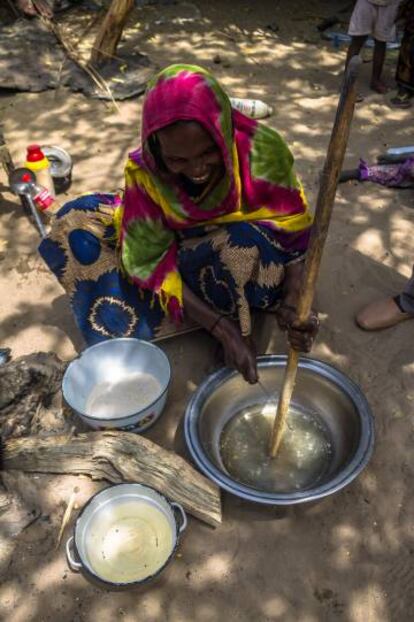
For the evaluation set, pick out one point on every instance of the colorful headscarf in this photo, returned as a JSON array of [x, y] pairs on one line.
[[259, 184]]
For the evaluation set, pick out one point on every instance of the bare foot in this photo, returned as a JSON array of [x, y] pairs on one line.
[[379, 87], [31, 8]]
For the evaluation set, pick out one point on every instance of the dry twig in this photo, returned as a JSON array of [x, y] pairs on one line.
[[73, 55], [67, 515]]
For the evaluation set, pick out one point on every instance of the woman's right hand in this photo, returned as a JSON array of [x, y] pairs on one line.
[[239, 351]]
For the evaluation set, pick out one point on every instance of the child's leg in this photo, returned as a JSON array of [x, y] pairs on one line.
[[377, 64], [355, 47]]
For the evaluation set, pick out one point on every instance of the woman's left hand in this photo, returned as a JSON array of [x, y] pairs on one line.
[[301, 335]]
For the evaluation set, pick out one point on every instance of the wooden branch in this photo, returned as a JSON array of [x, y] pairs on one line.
[[110, 31], [66, 516], [72, 54], [118, 457]]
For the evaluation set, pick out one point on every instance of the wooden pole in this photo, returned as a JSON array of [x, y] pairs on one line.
[[323, 212], [110, 32]]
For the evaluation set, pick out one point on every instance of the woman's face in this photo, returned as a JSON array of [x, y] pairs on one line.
[[188, 149]]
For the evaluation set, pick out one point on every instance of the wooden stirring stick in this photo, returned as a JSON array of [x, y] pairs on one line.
[[324, 207]]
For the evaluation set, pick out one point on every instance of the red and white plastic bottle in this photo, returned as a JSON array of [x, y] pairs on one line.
[[40, 195], [37, 162]]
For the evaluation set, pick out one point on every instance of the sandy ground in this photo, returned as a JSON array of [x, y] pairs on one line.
[[348, 558]]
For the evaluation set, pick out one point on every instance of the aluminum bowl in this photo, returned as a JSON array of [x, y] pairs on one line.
[[99, 521], [111, 364], [320, 388]]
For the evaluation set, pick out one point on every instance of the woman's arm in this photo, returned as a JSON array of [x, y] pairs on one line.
[[238, 351]]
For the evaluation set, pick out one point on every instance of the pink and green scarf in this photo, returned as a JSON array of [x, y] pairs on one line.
[[259, 184]]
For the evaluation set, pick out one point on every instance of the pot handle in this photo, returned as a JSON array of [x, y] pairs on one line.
[[184, 521], [72, 563]]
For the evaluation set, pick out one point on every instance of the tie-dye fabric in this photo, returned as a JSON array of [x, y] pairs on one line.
[[259, 184]]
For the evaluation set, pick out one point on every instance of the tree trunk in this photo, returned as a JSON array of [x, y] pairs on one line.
[[110, 32], [118, 457]]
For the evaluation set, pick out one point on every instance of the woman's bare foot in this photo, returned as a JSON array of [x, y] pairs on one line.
[[31, 8]]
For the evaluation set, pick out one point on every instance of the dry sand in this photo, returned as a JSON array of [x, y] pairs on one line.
[[349, 558]]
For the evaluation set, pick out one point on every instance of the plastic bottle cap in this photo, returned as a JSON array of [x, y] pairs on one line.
[[34, 153]]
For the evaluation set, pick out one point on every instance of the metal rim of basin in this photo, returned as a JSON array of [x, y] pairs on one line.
[[342, 479]]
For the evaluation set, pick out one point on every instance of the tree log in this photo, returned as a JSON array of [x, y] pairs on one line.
[[110, 32], [118, 457], [30, 391]]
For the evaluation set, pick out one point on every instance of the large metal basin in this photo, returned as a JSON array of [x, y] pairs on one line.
[[320, 388]]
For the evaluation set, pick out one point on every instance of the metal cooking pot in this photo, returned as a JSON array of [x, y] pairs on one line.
[[320, 388], [60, 167], [103, 523]]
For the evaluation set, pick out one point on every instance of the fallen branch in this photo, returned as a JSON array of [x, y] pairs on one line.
[[118, 457], [88, 68]]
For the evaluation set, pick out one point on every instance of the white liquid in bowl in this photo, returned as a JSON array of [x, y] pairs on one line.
[[123, 397], [129, 542]]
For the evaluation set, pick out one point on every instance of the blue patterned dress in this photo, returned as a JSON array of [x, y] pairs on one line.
[[233, 268]]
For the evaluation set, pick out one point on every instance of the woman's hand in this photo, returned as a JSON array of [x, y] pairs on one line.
[[301, 335], [239, 352]]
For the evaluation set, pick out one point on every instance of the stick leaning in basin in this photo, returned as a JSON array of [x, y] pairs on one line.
[[324, 207]]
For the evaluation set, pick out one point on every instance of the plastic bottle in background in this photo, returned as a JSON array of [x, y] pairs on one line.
[[40, 195], [37, 162], [254, 108], [408, 151]]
